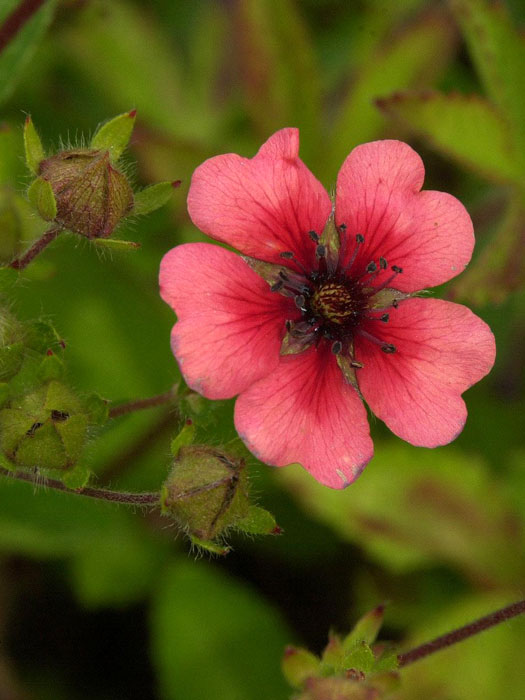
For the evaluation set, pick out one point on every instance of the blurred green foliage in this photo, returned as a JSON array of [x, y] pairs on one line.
[[437, 533]]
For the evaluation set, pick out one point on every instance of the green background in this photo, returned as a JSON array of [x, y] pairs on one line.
[[98, 601]]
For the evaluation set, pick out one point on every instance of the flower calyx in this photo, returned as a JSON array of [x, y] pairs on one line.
[[85, 190], [353, 667], [206, 493]]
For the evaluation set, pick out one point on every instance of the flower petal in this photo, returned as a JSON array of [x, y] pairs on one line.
[[262, 206], [441, 350], [230, 325], [428, 234], [305, 412]]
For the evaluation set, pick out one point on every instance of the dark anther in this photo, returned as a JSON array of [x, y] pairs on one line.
[[59, 416], [356, 365], [288, 325], [288, 255], [337, 347], [300, 301], [388, 348], [32, 430], [342, 227], [320, 251], [395, 303], [397, 269], [359, 238], [313, 235], [277, 286], [383, 263], [371, 267], [385, 318], [283, 275]]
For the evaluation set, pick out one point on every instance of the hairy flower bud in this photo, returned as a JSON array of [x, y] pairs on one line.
[[46, 428], [205, 492], [84, 190], [91, 194]]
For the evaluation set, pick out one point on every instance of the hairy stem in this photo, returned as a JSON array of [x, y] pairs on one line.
[[132, 499], [140, 404], [462, 633], [37, 247], [16, 20]]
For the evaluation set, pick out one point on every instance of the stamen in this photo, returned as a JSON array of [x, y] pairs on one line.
[[300, 302], [383, 263], [288, 255], [314, 236], [359, 239], [277, 286], [385, 318], [337, 347], [320, 251], [388, 348], [385, 347], [371, 267], [397, 271]]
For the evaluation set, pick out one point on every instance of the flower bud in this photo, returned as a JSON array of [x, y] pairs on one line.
[[46, 428], [205, 492], [91, 194], [83, 189]]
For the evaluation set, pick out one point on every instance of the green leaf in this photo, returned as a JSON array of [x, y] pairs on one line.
[[407, 512], [114, 135], [414, 58], [498, 51], [33, 146], [115, 244], [205, 626], [16, 56], [40, 194], [153, 197], [466, 128], [258, 521]]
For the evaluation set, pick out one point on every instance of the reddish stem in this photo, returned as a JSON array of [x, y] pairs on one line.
[[37, 247], [140, 404], [16, 20], [462, 633], [132, 499]]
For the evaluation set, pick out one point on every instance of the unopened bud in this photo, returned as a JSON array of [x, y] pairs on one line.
[[83, 189], [45, 428], [205, 492], [91, 194]]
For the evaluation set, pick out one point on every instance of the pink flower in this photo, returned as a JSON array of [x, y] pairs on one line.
[[320, 311]]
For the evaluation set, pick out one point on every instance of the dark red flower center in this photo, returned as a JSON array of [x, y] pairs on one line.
[[339, 302]]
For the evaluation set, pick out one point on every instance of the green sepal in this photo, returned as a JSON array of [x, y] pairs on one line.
[[388, 660], [50, 368], [330, 240], [209, 546], [386, 298], [97, 409], [360, 658], [40, 194], [258, 521], [33, 146], [116, 244], [268, 271], [291, 345], [76, 478], [73, 435], [298, 665], [114, 135], [184, 438], [349, 373], [366, 629], [152, 197], [332, 656]]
